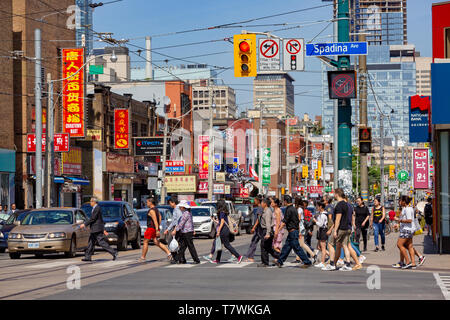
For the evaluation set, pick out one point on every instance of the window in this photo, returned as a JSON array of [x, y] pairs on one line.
[[144, 130], [134, 128]]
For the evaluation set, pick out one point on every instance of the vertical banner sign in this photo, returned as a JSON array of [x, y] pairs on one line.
[[266, 166], [73, 92], [421, 168], [203, 155], [217, 161], [419, 118], [121, 129]]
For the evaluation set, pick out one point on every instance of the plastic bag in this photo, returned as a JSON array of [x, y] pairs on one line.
[[218, 244], [417, 228], [173, 246]]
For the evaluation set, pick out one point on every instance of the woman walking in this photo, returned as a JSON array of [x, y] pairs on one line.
[[377, 221], [322, 221], [362, 216], [224, 232], [404, 242], [277, 217], [302, 231], [186, 227]]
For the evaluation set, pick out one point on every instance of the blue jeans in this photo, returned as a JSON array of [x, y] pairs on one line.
[[378, 228], [292, 243], [358, 253]]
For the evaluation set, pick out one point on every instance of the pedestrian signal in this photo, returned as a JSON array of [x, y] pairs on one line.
[[365, 140]]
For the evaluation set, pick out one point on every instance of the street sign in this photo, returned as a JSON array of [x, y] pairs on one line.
[[60, 142], [218, 188], [393, 188], [244, 193], [266, 166], [269, 54], [294, 55], [315, 189], [336, 49], [403, 176], [421, 170], [217, 161], [341, 84]]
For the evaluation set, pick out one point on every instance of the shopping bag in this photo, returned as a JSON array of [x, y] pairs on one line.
[[173, 246], [417, 228], [218, 244]]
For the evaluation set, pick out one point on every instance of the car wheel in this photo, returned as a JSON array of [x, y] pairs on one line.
[[39, 255], [136, 244], [2, 250], [14, 255], [123, 242], [212, 234], [72, 250]]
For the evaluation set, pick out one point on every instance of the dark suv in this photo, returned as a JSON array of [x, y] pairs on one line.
[[121, 223]]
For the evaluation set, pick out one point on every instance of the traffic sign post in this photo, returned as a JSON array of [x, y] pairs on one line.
[[293, 54], [341, 84], [268, 54]]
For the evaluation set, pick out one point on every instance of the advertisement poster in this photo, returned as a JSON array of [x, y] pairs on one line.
[[98, 174], [203, 155], [421, 168], [419, 119]]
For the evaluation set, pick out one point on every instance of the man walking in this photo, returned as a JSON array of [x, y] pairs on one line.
[[97, 232], [267, 234], [256, 230], [291, 221], [176, 216]]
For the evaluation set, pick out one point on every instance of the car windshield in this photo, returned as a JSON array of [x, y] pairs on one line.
[[210, 204], [48, 217], [142, 214], [200, 212], [15, 217], [243, 208], [4, 216], [109, 211]]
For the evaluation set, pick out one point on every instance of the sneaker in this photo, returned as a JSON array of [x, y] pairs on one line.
[[278, 264], [407, 266], [421, 260], [382, 248], [315, 258], [320, 265], [296, 261], [214, 261], [398, 265], [340, 261], [329, 267], [345, 268], [232, 259], [357, 267], [362, 259], [376, 249], [207, 258], [240, 259], [196, 262]]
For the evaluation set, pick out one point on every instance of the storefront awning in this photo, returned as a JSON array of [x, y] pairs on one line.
[[78, 181], [55, 179]]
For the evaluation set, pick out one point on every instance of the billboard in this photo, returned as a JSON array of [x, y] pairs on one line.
[[419, 119], [121, 129], [73, 92], [180, 184], [203, 155], [150, 146]]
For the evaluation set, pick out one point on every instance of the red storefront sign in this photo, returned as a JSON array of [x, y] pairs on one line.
[[203, 156], [61, 142], [203, 187], [121, 129], [315, 189], [73, 91], [71, 161], [243, 192], [421, 168], [44, 120]]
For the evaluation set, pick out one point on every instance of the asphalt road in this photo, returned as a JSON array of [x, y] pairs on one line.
[[46, 278]]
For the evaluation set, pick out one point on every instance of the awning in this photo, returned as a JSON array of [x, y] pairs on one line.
[[78, 180], [55, 179]]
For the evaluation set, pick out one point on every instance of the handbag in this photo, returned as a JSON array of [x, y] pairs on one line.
[[417, 228], [218, 244]]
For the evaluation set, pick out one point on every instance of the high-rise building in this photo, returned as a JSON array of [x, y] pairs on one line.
[[423, 75], [116, 71], [386, 21], [276, 92], [84, 24], [223, 97], [392, 73]]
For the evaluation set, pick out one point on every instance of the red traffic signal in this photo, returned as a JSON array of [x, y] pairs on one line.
[[244, 46]]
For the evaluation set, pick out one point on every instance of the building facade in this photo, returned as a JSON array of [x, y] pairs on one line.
[[223, 98], [423, 75], [85, 24]]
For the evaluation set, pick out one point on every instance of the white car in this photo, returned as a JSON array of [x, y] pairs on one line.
[[203, 222]]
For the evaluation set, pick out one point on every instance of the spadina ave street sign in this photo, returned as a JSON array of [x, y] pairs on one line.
[[337, 48]]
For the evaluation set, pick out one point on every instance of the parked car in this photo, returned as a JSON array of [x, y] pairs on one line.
[[247, 216], [8, 225], [121, 223], [203, 222], [49, 230], [166, 218], [237, 216]]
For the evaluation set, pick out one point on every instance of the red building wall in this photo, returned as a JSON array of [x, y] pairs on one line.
[[440, 21]]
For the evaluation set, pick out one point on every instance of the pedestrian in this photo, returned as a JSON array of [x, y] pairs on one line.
[[303, 229], [152, 232], [186, 228], [13, 208], [224, 232], [404, 242], [256, 230], [213, 247], [277, 217], [428, 212], [393, 223], [98, 232], [307, 217], [329, 208], [291, 221], [267, 232], [377, 222], [351, 216], [322, 222], [362, 216], [341, 232], [5, 208], [176, 216]]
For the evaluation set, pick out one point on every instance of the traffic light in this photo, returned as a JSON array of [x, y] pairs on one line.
[[244, 55], [391, 171], [316, 174], [305, 172], [365, 140]]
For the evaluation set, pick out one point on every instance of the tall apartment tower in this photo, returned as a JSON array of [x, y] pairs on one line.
[[85, 25]]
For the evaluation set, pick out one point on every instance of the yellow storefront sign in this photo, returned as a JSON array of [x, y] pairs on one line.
[[181, 184]]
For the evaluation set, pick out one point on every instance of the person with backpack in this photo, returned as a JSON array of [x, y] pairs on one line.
[[309, 225], [256, 230], [428, 211], [223, 231], [267, 233], [303, 229]]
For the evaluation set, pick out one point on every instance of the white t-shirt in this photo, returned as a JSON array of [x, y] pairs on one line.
[[322, 219], [407, 214], [301, 226]]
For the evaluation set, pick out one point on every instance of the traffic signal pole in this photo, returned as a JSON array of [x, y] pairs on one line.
[[363, 121], [344, 107]]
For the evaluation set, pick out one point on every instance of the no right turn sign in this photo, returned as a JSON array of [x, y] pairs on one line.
[[293, 54]]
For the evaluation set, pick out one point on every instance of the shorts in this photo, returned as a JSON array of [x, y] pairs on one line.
[[150, 234], [406, 234], [322, 234], [343, 237]]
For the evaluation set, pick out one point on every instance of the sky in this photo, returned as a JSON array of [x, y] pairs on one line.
[[135, 19]]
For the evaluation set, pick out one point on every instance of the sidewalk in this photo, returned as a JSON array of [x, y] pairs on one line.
[[423, 244]]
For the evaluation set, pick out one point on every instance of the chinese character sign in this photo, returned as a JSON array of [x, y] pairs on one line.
[[73, 91], [421, 168], [121, 129], [203, 155]]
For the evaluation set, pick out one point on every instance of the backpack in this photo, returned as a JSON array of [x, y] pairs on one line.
[[307, 219], [232, 225], [428, 211]]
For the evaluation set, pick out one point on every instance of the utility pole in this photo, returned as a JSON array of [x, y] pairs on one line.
[[288, 170], [260, 156], [363, 121], [306, 159], [335, 124], [382, 157], [211, 148], [163, 187], [395, 170], [344, 106], [50, 151], [38, 106]]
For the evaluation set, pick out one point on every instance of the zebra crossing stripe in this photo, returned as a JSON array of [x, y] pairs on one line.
[[110, 264], [445, 287], [186, 265], [235, 265], [51, 264]]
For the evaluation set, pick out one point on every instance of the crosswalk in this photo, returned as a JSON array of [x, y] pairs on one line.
[[94, 264], [444, 283], [224, 265]]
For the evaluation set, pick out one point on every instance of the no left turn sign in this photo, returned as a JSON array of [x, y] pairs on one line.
[[269, 54], [269, 48]]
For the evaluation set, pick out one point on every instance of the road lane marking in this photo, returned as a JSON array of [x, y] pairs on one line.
[[110, 264], [186, 265], [235, 265], [445, 287], [52, 265]]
